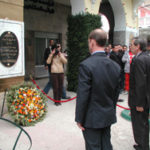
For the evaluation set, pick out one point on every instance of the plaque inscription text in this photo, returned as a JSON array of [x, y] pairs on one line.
[[9, 49]]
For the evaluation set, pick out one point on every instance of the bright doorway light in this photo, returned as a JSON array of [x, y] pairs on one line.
[[105, 23]]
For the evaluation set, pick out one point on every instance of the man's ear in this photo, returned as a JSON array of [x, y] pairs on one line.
[[138, 46], [93, 42]]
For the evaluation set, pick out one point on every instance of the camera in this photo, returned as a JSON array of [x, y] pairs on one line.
[[56, 52]]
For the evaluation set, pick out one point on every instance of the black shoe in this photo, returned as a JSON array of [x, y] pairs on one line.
[[67, 97], [120, 100], [57, 103]]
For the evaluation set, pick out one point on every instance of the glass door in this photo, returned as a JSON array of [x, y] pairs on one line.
[[40, 45], [41, 42]]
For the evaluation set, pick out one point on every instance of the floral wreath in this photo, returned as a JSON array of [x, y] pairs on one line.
[[26, 104]]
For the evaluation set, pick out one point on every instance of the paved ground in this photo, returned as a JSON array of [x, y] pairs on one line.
[[58, 131]]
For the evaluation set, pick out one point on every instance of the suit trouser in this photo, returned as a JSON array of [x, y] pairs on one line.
[[97, 139], [140, 126], [49, 86], [58, 79]]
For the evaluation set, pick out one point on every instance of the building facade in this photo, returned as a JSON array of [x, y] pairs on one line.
[[35, 22]]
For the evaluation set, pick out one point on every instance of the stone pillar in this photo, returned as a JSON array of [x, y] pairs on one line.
[[120, 22], [11, 21], [126, 23], [130, 9]]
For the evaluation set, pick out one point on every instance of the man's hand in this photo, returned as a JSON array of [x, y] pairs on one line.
[[53, 52], [140, 109], [80, 126]]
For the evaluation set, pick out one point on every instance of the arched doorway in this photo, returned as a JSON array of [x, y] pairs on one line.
[[119, 21], [105, 23], [114, 11], [106, 10]]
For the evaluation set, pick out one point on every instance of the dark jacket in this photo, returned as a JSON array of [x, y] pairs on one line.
[[139, 92], [117, 57], [46, 54], [96, 94]]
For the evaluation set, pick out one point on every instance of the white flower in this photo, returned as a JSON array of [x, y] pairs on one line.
[[26, 111], [31, 105]]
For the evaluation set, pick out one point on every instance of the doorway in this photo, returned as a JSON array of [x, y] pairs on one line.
[[41, 43], [107, 11]]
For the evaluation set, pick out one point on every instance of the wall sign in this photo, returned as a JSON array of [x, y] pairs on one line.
[[12, 61], [40, 5], [9, 49]]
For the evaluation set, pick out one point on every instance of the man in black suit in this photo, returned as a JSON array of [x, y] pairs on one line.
[[48, 66], [96, 94], [139, 93], [116, 55]]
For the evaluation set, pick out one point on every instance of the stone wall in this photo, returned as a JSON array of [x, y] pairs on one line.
[[11, 10], [119, 37], [45, 22], [38, 21], [144, 32], [124, 37]]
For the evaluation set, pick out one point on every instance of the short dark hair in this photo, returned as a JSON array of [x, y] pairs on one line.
[[141, 42], [113, 46], [99, 36]]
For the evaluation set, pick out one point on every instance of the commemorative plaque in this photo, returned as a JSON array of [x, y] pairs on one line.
[[9, 49]]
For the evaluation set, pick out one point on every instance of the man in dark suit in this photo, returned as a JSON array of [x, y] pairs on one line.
[[96, 94], [139, 93], [48, 66], [116, 55]]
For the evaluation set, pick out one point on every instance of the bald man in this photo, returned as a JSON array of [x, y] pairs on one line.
[[97, 94]]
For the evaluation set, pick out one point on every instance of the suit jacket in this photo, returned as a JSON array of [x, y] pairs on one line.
[[139, 92], [46, 54], [117, 57], [96, 94]]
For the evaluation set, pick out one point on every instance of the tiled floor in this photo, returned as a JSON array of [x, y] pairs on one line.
[[58, 131]]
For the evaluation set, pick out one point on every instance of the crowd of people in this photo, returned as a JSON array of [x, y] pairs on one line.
[[101, 79], [107, 72], [123, 57]]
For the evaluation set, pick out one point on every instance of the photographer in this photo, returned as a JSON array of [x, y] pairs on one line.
[[57, 59]]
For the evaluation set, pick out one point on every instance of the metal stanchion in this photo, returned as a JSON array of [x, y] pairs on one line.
[[3, 102]]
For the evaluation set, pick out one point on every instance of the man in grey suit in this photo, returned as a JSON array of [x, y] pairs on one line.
[[139, 93], [97, 94]]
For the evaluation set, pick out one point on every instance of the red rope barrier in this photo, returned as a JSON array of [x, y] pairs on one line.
[[64, 100], [123, 107], [50, 97]]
